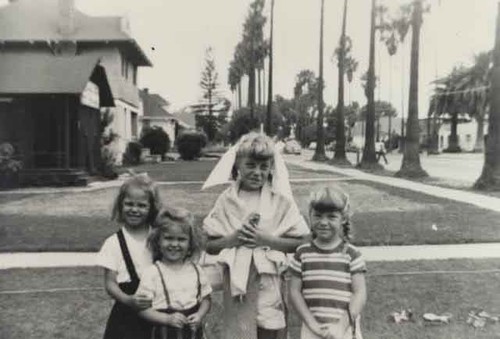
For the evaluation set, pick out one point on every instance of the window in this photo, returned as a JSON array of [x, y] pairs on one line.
[[134, 75], [133, 124], [124, 65]]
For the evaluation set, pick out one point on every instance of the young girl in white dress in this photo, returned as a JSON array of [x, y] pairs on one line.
[[177, 285]]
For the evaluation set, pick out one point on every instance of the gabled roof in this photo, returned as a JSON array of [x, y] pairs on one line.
[[154, 105], [38, 20], [40, 73]]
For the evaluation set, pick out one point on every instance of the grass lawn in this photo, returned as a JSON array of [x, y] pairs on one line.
[[199, 171], [82, 314], [383, 215]]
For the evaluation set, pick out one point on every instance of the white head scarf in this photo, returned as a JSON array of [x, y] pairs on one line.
[[221, 173]]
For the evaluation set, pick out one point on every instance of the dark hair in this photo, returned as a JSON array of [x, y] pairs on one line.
[[255, 145], [181, 217], [333, 199], [143, 182]]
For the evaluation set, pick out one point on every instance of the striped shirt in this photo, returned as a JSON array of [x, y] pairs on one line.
[[327, 278]]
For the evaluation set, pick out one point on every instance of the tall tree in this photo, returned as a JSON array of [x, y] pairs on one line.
[[410, 166], [208, 82], [490, 176], [319, 153], [369, 158], [306, 100], [340, 155], [270, 81]]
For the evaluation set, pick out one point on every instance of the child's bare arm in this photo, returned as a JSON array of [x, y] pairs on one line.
[[195, 319], [173, 319], [256, 237], [358, 299], [300, 306], [215, 245], [137, 301]]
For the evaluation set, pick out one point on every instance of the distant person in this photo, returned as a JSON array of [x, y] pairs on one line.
[[327, 287], [179, 288], [124, 255], [252, 226], [380, 151]]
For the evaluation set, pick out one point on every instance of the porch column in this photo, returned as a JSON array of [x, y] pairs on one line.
[[67, 133]]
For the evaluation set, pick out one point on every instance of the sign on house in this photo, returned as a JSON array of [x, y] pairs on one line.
[[90, 95]]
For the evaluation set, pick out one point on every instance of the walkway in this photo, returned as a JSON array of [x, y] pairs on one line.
[[476, 199], [372, 253]]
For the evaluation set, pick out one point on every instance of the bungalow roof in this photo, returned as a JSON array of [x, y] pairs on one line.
[[43, 73], [38, 20]]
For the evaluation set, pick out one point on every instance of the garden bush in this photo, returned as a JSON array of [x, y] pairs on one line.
[[190, 144], [132, 155], [156, 139]]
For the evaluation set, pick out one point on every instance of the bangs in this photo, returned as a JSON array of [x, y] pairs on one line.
[[326, 206], [329, 200], [256, 146]]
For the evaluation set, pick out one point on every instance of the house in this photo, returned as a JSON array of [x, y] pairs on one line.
[[59, 69], [466, 132], [156, 114], [358, 131]]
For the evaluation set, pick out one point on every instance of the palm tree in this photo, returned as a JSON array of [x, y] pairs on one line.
[[369, 158], [410, 166], [319, 154], [270, 84], [340, 155], [490, 176], [480, 79]]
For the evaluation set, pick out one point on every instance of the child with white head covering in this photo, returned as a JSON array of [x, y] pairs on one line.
[[253, 223]]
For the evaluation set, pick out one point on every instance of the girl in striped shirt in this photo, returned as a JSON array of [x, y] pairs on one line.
[[328, 287]]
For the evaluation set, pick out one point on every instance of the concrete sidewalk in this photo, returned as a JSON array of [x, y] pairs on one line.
[[476, 199], [371, 253]]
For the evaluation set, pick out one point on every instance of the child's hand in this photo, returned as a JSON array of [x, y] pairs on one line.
[[176, 320], [253, 236], [140, 302], [318, 329], [194, 321], [333, 331]]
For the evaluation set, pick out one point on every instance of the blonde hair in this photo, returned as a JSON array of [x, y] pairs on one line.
[[143, 182], [333, 199], [256, 146], [181, 217]]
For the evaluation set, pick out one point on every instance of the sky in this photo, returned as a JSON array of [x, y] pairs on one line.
[[176, 33]]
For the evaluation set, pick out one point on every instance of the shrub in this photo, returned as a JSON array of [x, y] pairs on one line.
[[9, 166], [190, 143], [108, 164], [156, 139], [132, 155]]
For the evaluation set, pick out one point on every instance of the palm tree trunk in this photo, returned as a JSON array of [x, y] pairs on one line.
[[251, 91], [319, 154], [340, 155], [239, 94], [410, 166], [369, 159], [259, 97], [453, 146], [479, 144], [490, 176], [270, 84], [390, 133]]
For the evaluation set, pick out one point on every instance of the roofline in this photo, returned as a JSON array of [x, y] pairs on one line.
[[146, 61]]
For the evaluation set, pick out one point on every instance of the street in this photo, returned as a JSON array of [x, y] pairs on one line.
[[460, 167]]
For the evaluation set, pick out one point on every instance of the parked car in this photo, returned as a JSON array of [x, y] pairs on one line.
[[292, 147]]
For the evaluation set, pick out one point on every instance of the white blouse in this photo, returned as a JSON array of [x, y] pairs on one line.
[[181, 284], [110, 256]]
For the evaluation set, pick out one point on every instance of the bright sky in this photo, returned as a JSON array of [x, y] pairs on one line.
[[181, 30]]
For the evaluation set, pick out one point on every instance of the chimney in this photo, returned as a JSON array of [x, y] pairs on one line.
[[66, 17]]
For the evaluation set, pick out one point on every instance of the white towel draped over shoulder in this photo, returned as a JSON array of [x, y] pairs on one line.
[[279, 216]]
